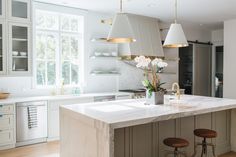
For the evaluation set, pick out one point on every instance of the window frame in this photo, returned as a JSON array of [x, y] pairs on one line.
[[66, 10]]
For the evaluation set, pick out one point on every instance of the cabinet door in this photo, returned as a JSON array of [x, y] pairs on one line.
[[53, 114], [3, 56], [19, 10], [19, 49], [2, 8]]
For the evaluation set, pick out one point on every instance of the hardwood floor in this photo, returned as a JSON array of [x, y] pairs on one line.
[[50, 149], [231, 154]]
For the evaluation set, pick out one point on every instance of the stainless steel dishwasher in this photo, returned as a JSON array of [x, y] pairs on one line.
[[31, 122]]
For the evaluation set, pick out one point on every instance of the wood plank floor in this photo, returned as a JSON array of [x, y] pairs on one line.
[[50, 149]]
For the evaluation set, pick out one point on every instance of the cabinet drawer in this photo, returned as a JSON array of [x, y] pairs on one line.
[[6, 122], [6, 137], [7, 109]]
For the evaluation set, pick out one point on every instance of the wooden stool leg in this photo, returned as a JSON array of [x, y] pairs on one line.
[[213, 149], [183, 154], [168, 153], [195, 149]]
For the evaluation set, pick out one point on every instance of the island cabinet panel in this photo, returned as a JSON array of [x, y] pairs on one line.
[[141, 137], [185, 127], [147, 139], [166, 129], [137, 141], [221, 123], [233, 130]]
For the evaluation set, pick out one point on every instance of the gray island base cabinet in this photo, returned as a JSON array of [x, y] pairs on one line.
[[130, 129]]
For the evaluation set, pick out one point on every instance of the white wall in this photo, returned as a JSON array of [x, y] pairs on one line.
[[229, 59], [229, 70], [130, 76]]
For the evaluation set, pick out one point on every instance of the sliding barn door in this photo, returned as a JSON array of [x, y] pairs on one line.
[[202, 69]]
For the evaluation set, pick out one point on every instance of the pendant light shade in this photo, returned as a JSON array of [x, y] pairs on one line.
[[121, 31], [175, 37]]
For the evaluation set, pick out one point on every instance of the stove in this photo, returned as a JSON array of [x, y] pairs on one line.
[[137, 93]]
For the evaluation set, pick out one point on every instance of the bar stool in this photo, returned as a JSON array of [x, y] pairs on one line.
[[176, 143], [205, 134]]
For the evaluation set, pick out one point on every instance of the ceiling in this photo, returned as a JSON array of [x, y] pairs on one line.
[[203, 13]]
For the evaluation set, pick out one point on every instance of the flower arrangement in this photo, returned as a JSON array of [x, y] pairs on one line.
[[152, 68]]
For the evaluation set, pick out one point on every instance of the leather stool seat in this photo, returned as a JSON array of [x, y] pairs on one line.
[[176, 142], [205, 133]]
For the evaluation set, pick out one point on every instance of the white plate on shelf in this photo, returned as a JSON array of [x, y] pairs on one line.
[[106, 54], [97, 71], [20, 70], [114, 72], [97, 53]]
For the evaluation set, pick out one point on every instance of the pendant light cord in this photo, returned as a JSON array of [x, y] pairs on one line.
[[121, 6], [175, 11]]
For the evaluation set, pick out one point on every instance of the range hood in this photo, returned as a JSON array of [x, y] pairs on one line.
[[148, 38]]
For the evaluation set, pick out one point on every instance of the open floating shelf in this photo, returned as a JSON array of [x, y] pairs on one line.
[[19, 39], [19, 56], [102, 56], [105, 74]]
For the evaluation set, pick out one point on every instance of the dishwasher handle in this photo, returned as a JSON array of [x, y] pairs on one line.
[[35, 103]]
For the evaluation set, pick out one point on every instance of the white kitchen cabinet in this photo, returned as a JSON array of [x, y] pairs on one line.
[[3, 54], [20, 51], [53, 114], [2, 8], [19, 10], [7, 126]]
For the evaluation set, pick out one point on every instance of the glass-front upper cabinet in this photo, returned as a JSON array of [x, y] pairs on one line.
[[19, 47], [2, 49], [19, 10]]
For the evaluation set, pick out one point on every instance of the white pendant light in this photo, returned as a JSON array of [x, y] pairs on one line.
[[175, 37], [121, 31]]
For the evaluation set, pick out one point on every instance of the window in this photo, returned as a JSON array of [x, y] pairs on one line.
[[58, 48]]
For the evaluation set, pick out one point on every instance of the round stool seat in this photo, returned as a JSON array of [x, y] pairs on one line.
[[205, 133], [176, 142]]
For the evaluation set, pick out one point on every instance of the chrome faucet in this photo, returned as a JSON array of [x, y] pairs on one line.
[[175, 87]]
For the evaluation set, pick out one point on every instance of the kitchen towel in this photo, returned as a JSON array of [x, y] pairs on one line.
[[32, 117]]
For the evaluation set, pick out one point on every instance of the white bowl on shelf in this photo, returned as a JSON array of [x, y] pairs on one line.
[[106, 54], [15, 53], [97, 53], [114, 54], [23, 53]]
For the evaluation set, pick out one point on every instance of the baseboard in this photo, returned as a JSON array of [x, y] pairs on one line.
[[10, 146], [223, 149], [51, 139], [29, 142], [233, 148]]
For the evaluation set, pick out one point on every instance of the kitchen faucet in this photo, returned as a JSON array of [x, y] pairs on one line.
[[175, 87]]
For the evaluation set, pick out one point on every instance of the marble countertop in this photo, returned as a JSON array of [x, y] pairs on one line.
[[57, 97], [124, 113]]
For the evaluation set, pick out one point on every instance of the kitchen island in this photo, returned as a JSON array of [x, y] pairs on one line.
[[129, 128]]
